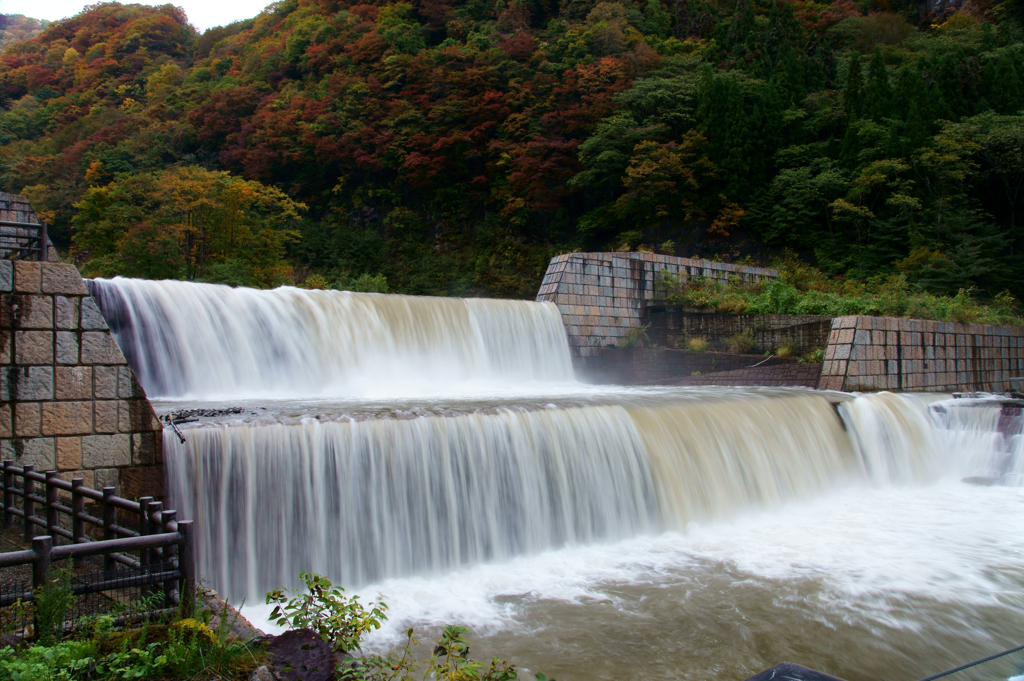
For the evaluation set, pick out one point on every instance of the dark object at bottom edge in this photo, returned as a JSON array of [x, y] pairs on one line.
[[787, 671]]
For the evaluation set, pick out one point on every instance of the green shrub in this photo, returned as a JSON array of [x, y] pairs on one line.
[[801, 289], [450, 660], [62, 661], [315, 282], [364, 283], [696, 344], [344, 621], [741, 343], [787, 348], [337, 618], [635, 336], [16, 617], [815, 356]]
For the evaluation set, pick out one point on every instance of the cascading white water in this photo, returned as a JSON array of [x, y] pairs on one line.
[[208, 341], [363, 489], [990, 435], [361, 500], [372, 497]]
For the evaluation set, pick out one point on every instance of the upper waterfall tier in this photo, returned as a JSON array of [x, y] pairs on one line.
[[208, 341]]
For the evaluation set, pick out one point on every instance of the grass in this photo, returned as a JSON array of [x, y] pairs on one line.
[[801, 289], [693, 343]]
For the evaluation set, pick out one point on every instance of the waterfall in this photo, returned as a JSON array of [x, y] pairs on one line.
[[362, 499], [401, 452], [208, 341]]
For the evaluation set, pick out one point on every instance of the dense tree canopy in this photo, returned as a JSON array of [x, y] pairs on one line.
[[454, 147], [15, 27]]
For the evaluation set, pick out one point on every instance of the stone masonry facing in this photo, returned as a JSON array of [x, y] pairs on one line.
[[885, 353], [68, 400], [602, 295]]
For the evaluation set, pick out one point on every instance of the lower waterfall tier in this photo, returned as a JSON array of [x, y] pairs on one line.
[[361, 499]]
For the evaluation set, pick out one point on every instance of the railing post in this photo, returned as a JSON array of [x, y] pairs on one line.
[[8, 494], [28, 487], [187, 567], [42, 547], [52, 519], [144, 503], [166, 518], [109, 520], [77, 511], [156, 507], [44, 242]]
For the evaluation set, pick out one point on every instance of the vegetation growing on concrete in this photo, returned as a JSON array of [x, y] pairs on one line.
[[803, 289]]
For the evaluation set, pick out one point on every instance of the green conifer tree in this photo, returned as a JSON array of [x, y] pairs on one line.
[[853, 93], [742, 23], [878, 90], [1004, 90]]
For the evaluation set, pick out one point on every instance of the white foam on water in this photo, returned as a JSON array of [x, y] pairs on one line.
[[869, 550]]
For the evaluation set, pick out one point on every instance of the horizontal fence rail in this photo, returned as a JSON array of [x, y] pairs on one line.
[[159, 554], [24, 240]]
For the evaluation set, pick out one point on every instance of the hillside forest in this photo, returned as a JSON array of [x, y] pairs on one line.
[[451, 147]]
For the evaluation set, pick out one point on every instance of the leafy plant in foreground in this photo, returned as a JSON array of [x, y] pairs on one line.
[[52, 601], [337, 618], [343, 620]]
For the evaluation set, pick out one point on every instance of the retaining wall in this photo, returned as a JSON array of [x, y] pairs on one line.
[[884, 353], [68, 400], [662, 366], [791, 375], [671, 322], [602, 295]]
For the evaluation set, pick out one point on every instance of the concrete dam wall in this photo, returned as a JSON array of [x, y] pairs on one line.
[[68, 400], [602, 295]]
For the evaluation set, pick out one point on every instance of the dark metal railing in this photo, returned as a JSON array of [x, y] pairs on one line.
[[23, 240], [52, 510]]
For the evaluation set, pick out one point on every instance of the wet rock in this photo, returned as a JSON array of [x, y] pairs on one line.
[[12, 641], [301, 655], [262, 674], [239, 626], [190, 415]]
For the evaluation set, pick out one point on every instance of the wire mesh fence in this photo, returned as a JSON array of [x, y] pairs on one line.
[[119, 557], [125, 593]]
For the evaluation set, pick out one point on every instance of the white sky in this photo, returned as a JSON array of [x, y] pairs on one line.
[[202, 13]]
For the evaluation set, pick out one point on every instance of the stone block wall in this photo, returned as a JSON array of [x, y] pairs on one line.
[[789, 375], [885, 353], [671, 322], [662, 366], [602, 295], [68, 400]]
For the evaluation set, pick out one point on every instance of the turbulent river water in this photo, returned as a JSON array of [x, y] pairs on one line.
[[438, 452]]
